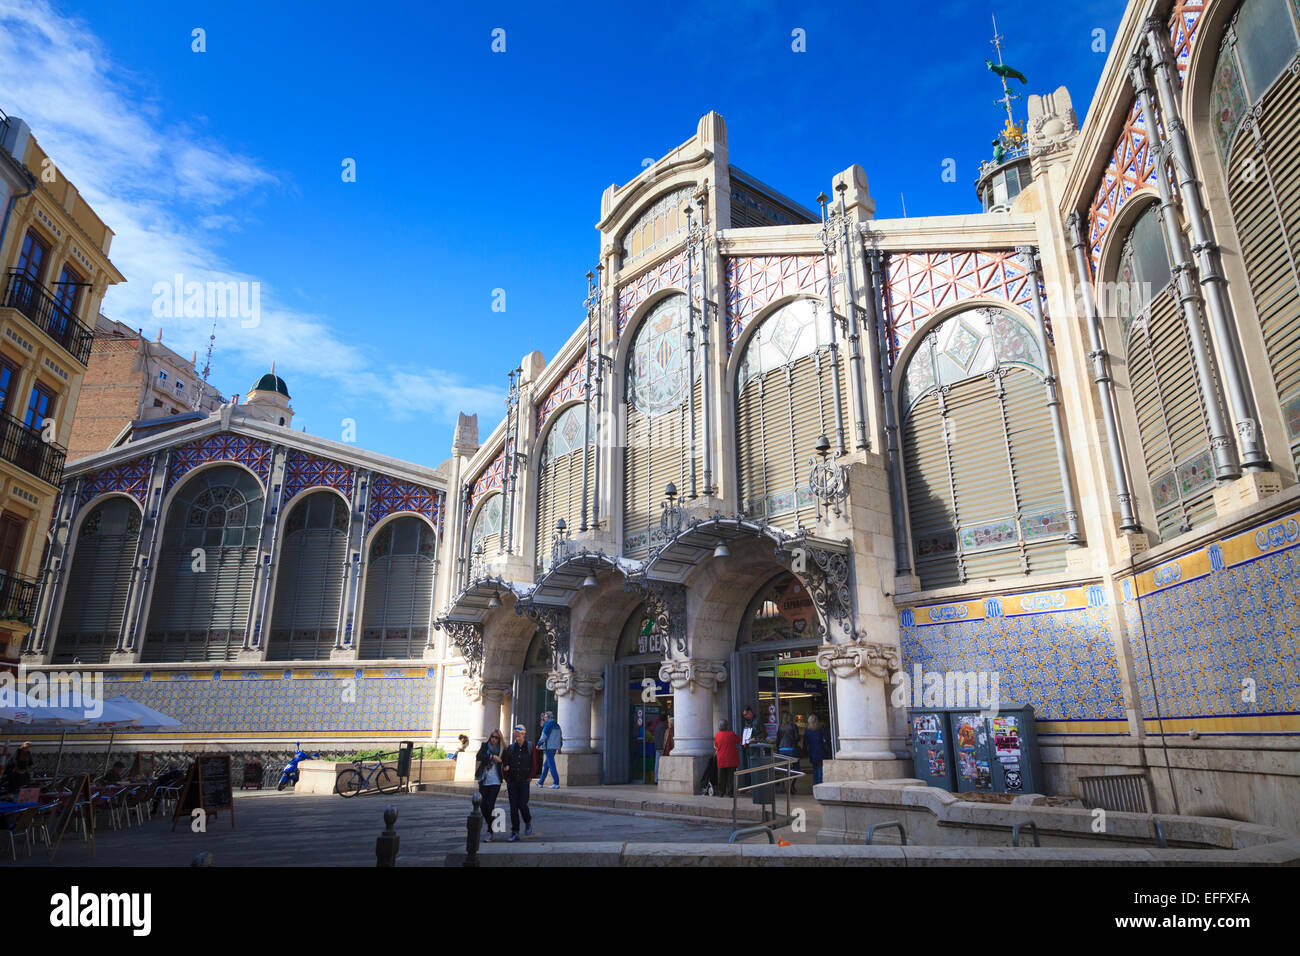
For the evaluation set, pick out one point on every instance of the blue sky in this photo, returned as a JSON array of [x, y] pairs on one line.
[[475, 170]]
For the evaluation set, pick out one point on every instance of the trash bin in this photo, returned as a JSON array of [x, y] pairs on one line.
[[760, 755], [404, 759]]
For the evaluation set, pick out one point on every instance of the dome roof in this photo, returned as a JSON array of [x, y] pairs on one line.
[[270, 382]]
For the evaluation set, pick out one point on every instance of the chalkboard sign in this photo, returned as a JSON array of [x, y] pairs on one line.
[[214, 782], [80, 792], [207, 786]]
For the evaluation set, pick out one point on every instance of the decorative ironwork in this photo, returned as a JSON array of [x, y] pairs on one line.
[[828, 575], [828, 482], [466, 637], [666, 603], [671, 517], [554, 621], [560, 541]]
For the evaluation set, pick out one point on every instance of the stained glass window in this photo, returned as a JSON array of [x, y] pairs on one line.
[[657, 365], [1262, 43], [656, 227]]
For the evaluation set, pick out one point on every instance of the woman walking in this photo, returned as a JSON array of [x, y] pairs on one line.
[[487, 771], [815, 746]]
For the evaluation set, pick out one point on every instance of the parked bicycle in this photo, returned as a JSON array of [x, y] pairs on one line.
[[357, 779]]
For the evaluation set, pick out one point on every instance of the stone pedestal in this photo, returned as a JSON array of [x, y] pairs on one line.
[[1130, 544], [577, 770], [845, 769], [573, 694], [1247, 490], [681, 773]]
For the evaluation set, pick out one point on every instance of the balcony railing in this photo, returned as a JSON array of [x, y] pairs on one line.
[[17, 597], [28, 450], [49, 315]]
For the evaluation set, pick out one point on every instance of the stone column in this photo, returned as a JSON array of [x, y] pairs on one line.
[[485, 700], [861, 672], [694, 684], [578, 765]]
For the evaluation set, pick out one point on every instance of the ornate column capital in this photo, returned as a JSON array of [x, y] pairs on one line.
[[565, 683], [682, 673], [859, 658], [476, 689]]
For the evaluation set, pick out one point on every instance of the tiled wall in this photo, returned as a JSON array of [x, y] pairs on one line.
[[262, 702], [1218, 626], [1051, 649]]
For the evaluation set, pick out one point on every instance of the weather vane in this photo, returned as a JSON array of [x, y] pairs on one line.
[[1013, 135]]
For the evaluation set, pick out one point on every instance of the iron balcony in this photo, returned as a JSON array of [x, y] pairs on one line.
[[18, 596], [28, 450], [49, 315]]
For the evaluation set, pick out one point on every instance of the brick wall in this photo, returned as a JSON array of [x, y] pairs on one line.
[[110, 396]]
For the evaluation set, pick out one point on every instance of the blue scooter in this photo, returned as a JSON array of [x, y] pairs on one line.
[[289, 775]]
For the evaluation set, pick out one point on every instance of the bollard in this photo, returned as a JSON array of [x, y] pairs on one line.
[[386, 845], [473, 827], [203, 859]]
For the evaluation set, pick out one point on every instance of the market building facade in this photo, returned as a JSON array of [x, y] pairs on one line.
[[790, 454]]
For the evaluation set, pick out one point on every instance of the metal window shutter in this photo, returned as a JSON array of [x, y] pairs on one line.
[[636, 484], [658, 452], [1034, 462], [1270, 231], [981, 473], [929, 493], [559, 495], [779, 419], [96, 594], [980, 469], [309, 592]]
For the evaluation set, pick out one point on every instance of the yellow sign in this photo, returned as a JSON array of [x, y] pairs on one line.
[[801, 670]]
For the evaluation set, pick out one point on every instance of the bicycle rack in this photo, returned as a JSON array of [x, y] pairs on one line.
[[1015, 832], [747, 831], [902, 833]]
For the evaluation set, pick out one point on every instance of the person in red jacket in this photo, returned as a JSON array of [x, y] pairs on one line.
[[726, 743]]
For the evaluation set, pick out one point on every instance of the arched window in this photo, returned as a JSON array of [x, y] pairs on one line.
[[657, 227], [1262, 166], [96, 593], [983, 484], [658, 400], [399, 591], [785, 400], [559, 477], [309, 583], [485, 536], [206, 568], [1172, 428]]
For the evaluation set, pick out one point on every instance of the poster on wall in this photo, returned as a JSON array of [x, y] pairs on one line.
[[928, 728], [938, 763]]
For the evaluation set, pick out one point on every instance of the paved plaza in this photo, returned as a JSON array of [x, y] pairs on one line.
[[286, 829]]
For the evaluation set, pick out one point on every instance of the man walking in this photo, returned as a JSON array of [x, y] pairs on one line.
[[551, 742], [518, 768]]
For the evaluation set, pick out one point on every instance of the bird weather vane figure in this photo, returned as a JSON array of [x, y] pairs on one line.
[[1012, 136]]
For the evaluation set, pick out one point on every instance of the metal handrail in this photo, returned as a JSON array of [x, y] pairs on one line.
[[1015, 832], [902, 833], [780, 764], [760, 828]]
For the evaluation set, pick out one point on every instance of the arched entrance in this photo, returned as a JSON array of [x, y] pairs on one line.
[[775, 663], [644, 698]]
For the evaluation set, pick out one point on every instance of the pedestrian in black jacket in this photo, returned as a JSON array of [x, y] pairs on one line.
[[518, 767]]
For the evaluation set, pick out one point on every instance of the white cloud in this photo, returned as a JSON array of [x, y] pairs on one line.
[[170, 193]]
